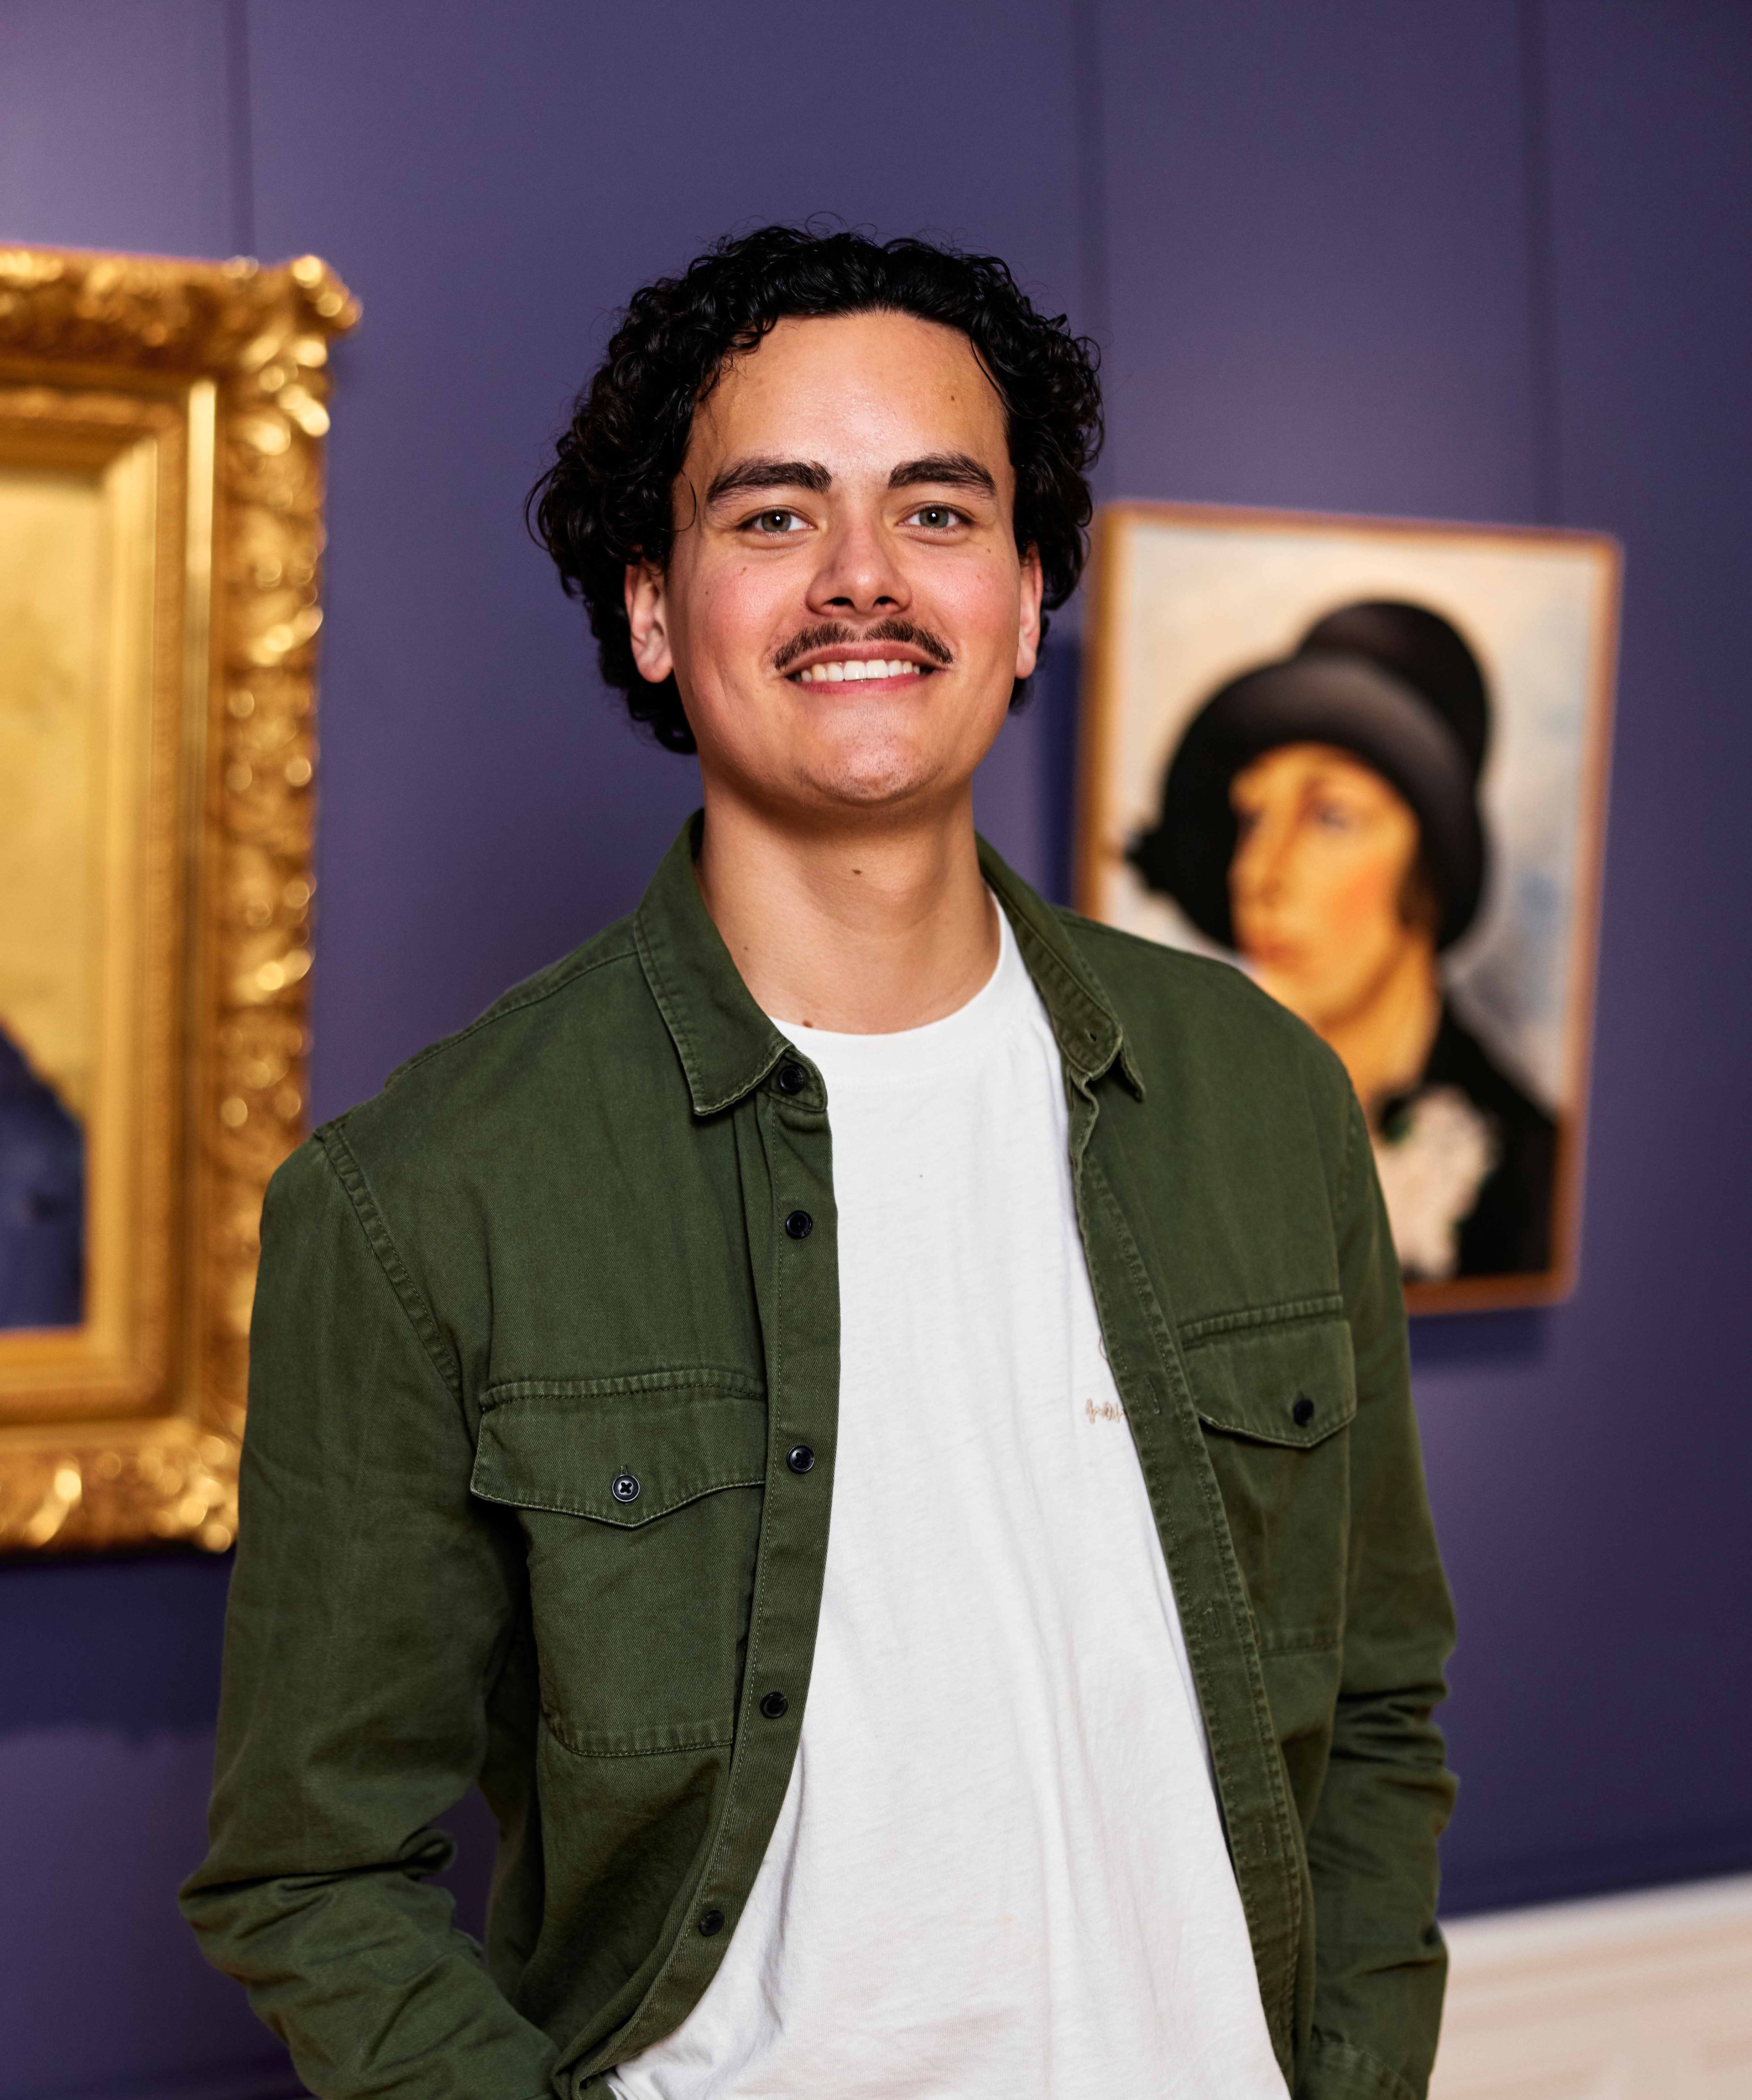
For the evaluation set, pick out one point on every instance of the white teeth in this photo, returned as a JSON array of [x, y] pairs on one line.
[[824, 674]]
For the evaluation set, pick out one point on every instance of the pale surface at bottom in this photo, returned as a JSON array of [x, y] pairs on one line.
[[1636, 1997]]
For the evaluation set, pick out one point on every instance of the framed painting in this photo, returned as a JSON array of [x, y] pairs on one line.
[[161, 425], [1365, 761]]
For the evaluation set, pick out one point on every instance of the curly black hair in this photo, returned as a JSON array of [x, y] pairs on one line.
[[605, 502]]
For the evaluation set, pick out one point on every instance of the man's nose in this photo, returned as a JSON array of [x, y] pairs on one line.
[[860, 573]]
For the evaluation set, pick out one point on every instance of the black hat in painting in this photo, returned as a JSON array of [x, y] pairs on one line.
[[1396, 685]]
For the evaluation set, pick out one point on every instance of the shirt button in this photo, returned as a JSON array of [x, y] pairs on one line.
[[776, 1705], [711, 1921], [792, 1079], [800, 1225], [1303, 1413], [624, 1486], [800, 1458]]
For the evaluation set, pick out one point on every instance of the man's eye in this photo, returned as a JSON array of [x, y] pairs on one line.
[[935, 517], [772, 524]]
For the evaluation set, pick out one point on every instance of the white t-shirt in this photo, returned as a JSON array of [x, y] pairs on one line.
[[999, 1872]]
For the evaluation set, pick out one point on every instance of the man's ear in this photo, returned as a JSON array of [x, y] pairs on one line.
[[1028, 631], [647, 621]]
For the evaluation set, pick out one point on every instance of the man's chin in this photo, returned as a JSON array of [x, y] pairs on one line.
[[863, 799], [886, 777]]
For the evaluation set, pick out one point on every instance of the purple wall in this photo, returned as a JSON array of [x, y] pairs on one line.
[[1483, 263]]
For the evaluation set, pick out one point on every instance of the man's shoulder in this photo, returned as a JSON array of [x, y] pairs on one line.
[[1171, 1001], [581, 989], [589, 1012], [1236, 1084]]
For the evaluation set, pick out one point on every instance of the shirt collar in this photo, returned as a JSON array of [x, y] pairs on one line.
[[1090, 1038], [728, 1046]]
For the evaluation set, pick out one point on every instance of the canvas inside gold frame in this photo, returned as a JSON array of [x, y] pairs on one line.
[[1108, 680]]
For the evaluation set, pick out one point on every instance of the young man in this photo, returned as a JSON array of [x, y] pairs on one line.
[[868, 1414]]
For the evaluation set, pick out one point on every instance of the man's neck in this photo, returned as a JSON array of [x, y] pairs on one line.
[[864, 931]]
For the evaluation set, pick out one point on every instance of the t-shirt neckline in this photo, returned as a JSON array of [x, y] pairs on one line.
[[955, 1041]]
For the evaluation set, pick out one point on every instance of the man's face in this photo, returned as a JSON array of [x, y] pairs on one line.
[[845, 607]]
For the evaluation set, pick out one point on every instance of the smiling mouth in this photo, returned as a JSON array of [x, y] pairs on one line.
[[833, 653], [857, 668]]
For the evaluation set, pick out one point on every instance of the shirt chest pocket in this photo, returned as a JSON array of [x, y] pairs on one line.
[[641, 1515], [1276, 1401]]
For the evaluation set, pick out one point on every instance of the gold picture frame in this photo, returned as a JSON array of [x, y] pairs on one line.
[[161, 428], [1205, 618]]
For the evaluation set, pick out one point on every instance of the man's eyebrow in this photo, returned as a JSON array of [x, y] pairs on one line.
[[947, 470], [752, 474]]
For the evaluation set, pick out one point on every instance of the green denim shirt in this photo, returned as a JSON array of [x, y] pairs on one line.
[[553, 1257]]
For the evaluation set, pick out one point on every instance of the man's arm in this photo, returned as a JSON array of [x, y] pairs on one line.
[[1380, 1963], [370, 1612]]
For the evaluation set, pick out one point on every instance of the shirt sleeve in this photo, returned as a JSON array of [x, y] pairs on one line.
[[1380, 1963], [371, 1610]]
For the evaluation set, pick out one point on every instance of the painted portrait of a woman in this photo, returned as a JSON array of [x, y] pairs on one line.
[[1320, 819]]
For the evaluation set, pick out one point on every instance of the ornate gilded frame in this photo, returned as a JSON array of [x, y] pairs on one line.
[[190, 395]]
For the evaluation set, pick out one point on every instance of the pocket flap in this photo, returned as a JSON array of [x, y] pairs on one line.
[[622, 1459], [1290, 1383]]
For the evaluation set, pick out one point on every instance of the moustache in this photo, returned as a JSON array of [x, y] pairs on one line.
[[832, 634]]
